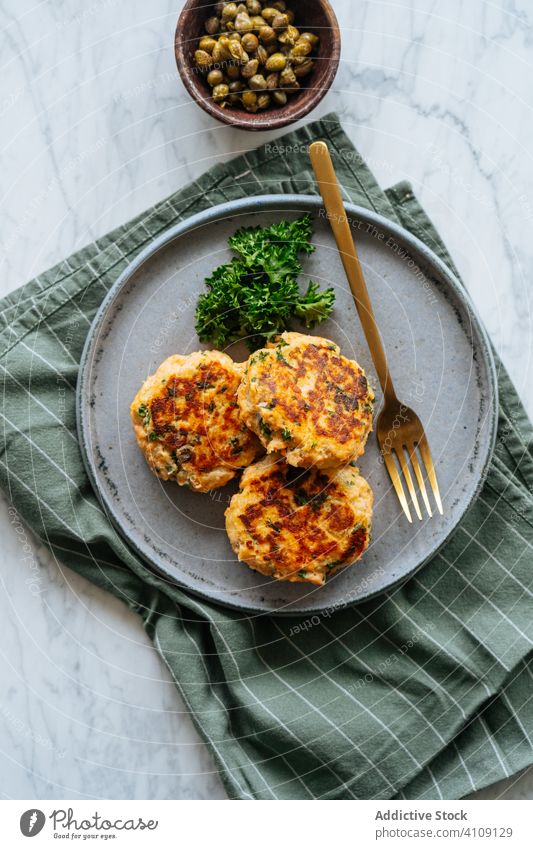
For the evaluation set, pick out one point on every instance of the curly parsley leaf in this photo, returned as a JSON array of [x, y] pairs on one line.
[[315, 305], [256, 294]]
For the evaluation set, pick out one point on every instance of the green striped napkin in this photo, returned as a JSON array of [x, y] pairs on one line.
[[424, 692]]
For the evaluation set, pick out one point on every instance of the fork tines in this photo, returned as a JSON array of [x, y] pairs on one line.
[[406, 455]]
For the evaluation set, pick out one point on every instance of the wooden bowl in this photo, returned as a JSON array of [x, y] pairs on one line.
[[310, 15]]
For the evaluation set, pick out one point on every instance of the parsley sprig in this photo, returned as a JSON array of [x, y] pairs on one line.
[[256, 294]]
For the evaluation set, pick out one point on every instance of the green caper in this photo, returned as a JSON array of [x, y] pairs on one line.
[[296, 60], [249, 101], [267, 35], [238, 52], [250, 42], [272, 81], [290, 36], [212, 25], [243, 23], [250, 69], [215, 77], [254, 7], [224, 47], [280, 22], [305, 68], [263, 101], [280, 5], [220, 92], [229, 11], [258, 82], [261, 54], [233, 72], [279, 97], [258, 21], [218, 54], [276, 62], [234, 36], [287, 77], [203, 59], [236, 85], [310, 36], [269, 13], [207, 43], [302, 47]]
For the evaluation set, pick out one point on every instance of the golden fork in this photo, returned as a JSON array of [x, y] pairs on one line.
[[399, 430]]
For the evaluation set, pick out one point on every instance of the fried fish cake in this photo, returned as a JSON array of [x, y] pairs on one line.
[[306, 400], [188, 424], [299, 525]]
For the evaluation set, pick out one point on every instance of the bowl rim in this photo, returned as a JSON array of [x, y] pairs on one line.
[[258, 121]]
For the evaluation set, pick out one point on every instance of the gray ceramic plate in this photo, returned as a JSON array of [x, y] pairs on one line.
[[440, 361]]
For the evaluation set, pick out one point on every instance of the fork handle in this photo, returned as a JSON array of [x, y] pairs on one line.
[[332, 198]]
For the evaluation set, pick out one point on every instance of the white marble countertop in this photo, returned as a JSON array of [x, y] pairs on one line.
[[97, 127]]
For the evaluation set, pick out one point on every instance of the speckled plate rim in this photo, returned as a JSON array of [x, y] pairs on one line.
[[258, 203]]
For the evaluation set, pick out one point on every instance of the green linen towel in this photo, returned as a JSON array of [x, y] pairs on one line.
[[338, 708]]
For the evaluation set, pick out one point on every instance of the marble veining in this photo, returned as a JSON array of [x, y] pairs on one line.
[[97, 127]]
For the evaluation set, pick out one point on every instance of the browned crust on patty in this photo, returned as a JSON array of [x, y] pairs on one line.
[[299, 525], [306, 400], [188, 424]]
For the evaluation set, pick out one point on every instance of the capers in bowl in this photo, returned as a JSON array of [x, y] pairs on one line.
[[253, 55]]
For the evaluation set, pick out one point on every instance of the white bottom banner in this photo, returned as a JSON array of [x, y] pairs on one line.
[[360, 824]]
